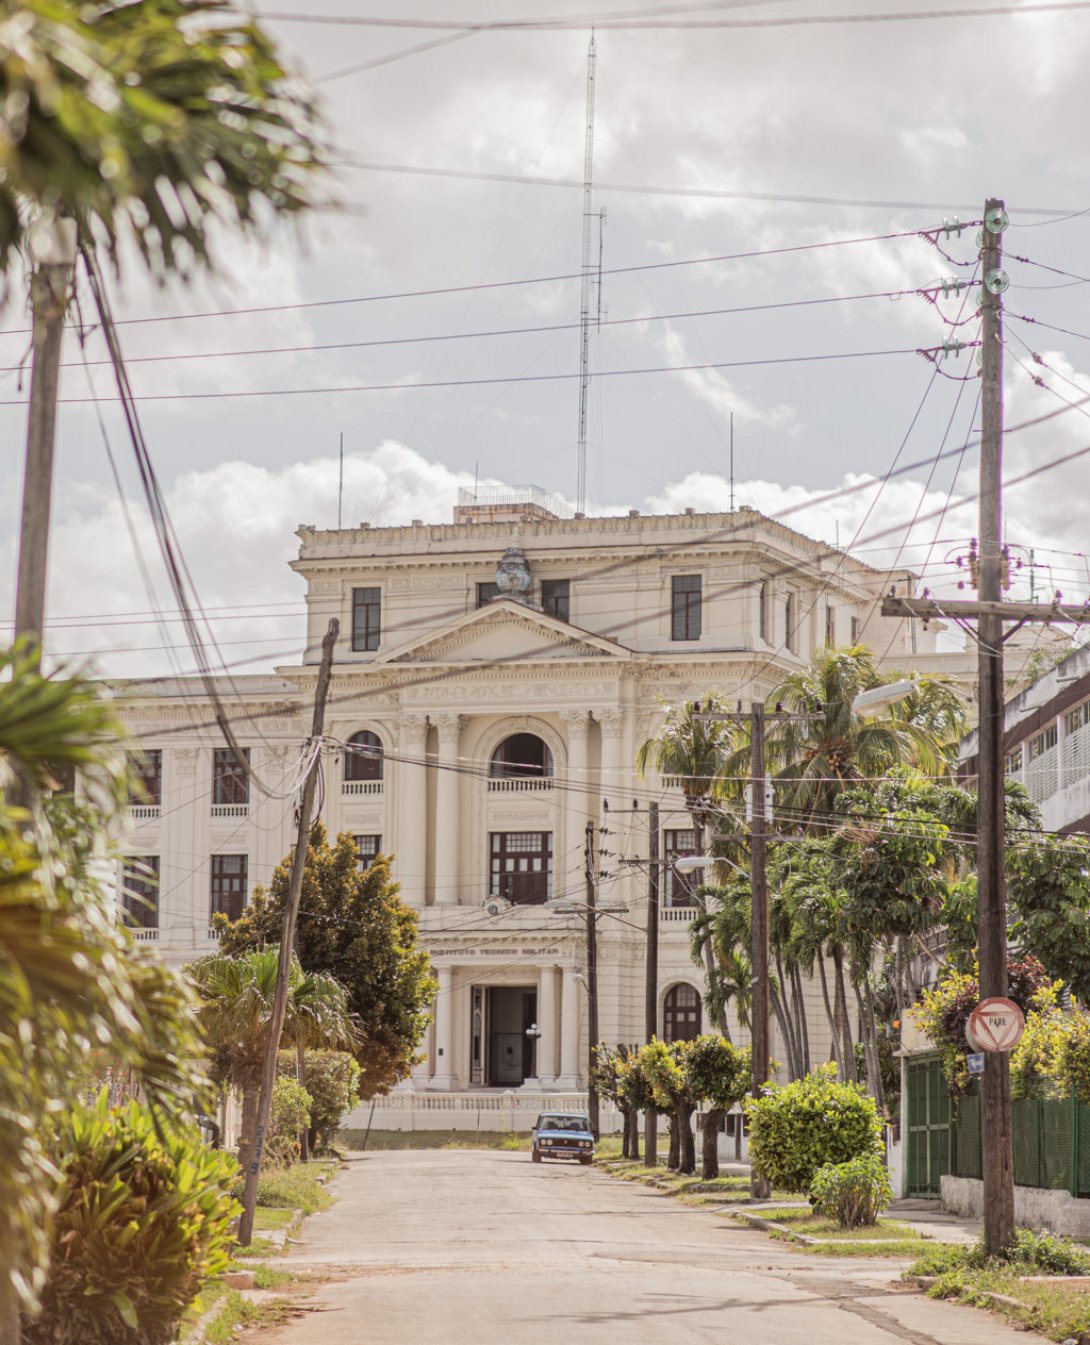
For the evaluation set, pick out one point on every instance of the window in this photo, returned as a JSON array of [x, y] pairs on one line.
[[789, 622], [556, 598], [64, 776], [855, 630], [1079, 717], [486, 592], [363, 757], [367, 847], [762, 610], [229, 884], [681, 1014], [677, 889], [230, 782], [366, 619], [685, 607], [1044, 742], [522, 866], [830, 627], [520, 756], [147, 767], [140, 891], [1012, 763]]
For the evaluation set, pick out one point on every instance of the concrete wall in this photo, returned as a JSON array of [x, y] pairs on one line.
[[1057, 1211]]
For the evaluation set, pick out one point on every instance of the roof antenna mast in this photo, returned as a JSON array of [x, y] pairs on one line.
[[588, 275]]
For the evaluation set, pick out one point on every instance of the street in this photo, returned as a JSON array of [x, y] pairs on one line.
[[482, 1247]]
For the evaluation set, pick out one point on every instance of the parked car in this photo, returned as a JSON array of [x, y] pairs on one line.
[[562, 1134]]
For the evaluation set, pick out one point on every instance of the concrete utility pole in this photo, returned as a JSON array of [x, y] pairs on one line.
[[760, 1005], [53, 246], [287, 937], [651, 1000], [592, 981]]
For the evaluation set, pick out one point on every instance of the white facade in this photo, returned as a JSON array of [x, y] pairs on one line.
[[450, 675]]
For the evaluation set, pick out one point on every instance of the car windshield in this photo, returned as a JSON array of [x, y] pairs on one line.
[[564, 1123]]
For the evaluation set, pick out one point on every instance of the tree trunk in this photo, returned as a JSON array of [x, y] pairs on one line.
[[633, 1120], [874, 1079], [686, 1142], [719, 1019], [673, 1158], [831, 1016], [804, 1027], [247, 1131], [848, 1049], [712, 1121], [301, 1075], [625, 1135], [781, 1019], [793, 1052], [872, 1027], [739, 1122], [651, 1138]]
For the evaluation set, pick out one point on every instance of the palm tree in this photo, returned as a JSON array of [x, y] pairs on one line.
[[69, 978], [690, 753], [236, 1001]]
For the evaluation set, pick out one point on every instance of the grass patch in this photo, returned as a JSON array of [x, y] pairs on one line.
[[265, 1277], [716, 1191], [238, 1312], [265, 1219], [435, 1139], [815, 1226], [902, 1248], [300, 1187]]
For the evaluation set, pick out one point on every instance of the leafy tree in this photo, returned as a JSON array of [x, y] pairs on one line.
[[1048, 884], [333, 1082], [289, 1117], [70, 980], [236, 994], [353, 926], [719, 1074], [146, 119], [609, 1079], [634, 1087], [666, 1071]]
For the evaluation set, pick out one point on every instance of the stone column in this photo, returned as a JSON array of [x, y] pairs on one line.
[[546, 1021], [615, 784], [569, 1032], [448, 878], [411, 780], [443, 1078], [569, 868]]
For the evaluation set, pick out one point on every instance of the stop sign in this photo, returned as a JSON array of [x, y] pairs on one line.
[[995, 1025]]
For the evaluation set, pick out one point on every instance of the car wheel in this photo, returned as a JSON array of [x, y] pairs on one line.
[[535, 1156]]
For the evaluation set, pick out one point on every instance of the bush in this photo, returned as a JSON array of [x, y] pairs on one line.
[[332, 1078], [143, 1219], [796, 1129], [852, 1193], [290, 1114], [1031, 1253]]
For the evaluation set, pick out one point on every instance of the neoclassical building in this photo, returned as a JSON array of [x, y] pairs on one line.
[[494, 678]]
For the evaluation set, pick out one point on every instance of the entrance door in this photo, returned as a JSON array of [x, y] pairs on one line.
[[510, 1011], [928, 1135]]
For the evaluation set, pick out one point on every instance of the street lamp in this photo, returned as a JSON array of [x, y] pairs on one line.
[[877, 698]]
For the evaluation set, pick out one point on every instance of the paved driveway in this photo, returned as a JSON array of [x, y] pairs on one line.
[[476, 1248]]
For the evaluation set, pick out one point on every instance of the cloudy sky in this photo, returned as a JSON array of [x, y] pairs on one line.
[[386, 319]]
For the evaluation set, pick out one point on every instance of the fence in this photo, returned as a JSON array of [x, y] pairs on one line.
[[1051, 1142]]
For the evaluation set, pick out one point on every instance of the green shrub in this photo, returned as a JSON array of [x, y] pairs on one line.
[[798, 1128], [852, 1193], [1032, 1252], [143, 1219], [289, 1115], [332, 1078]]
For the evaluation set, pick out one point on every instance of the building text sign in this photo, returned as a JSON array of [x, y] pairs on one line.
[[995, 1025]]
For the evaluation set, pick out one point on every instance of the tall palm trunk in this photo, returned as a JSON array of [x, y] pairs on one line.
[[872, 1028], [803, 1026], [784, 1016], [718, 1015], [713, 1119], [848, 1048], [834, 1029], [785, 1031]]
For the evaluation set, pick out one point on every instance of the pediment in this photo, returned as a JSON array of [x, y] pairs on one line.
[[503, 631]]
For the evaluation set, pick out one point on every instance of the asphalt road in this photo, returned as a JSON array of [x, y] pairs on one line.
[[485, 1248]]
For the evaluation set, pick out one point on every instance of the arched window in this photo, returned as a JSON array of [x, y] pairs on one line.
[[521, 756], [363, 759], [681, 1014]]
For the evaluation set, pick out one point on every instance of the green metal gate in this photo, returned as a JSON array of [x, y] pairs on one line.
[[928, 1126]]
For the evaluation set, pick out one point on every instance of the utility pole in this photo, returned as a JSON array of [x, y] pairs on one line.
[[760, 1006], [592, 981], [287, 936], [651, 1000], [53, 245]]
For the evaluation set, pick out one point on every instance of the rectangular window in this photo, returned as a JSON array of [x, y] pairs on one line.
[[1012, 763], [147, 768], [1079, 717], [830, 627], [229, 874], [522, 866], [230, 783], [677, 888], [685, 607], [1044, 742], [789, 619], [366, 619], [556, 598], [762, 610], [140, 891], [486, 592], [855, 630], [367, 847]]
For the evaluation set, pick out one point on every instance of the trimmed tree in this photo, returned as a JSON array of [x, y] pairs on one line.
[[353, 926], [665, 1068], [719, 1074]]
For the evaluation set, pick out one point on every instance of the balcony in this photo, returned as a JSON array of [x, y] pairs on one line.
[[677, 915], [145, 935], [519, 784], [144, 812], [351, 787], [230, 810]]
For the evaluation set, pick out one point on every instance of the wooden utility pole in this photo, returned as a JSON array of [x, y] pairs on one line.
[[287, 936], [592, 981], [760, 1003], [651, 990], [53, 244]]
